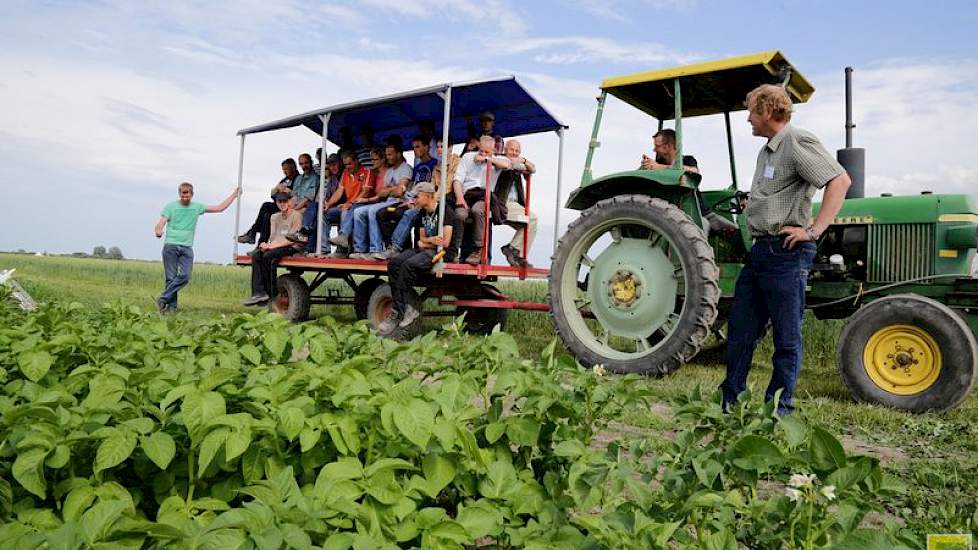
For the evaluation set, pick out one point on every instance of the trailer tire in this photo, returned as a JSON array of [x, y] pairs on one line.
[[291, 298], [382, 303], [361, 296], [481, 320], [908, 352]]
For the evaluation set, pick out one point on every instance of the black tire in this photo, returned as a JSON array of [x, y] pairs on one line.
[[380, 305], [361, 296], [702, 292], [481, 320], [291, 298], [956, 352]]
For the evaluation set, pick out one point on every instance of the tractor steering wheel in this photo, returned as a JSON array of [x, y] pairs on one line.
[[739, 197]]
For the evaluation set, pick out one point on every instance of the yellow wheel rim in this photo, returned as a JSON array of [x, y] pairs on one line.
[[902, 359]]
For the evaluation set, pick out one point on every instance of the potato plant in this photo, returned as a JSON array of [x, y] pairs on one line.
[[121, 429]]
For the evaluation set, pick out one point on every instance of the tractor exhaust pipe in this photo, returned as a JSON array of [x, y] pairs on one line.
[[853, 159]]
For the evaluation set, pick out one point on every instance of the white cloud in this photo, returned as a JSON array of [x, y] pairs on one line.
[[585, 49], [617, 10], [499, 15]]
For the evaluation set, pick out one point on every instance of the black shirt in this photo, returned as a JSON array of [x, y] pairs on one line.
[[429, 220], [688, 160]]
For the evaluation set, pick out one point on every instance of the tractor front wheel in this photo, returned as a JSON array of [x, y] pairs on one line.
[[908, 352]]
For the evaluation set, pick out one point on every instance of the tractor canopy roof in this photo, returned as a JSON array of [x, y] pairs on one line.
[[515, 110], [708, 88]]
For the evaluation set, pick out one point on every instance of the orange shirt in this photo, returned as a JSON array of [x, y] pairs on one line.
[[354, 183]]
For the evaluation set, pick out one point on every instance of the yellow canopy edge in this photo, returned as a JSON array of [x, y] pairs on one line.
[[708, 88]]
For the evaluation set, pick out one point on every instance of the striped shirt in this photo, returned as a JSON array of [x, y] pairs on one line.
[[791, 166]]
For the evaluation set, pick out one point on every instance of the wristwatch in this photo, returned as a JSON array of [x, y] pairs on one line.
[[811, 233]]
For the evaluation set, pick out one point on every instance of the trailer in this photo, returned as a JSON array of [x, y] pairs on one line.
[[458, 287]]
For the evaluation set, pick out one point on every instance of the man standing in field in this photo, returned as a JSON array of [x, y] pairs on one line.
[[180, 220], [791, 166]]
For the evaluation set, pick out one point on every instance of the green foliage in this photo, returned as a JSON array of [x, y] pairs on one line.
[[119, 428]]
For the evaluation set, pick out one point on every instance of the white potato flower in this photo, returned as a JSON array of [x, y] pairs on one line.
[[828, 492], [802, 480], [599, 370], [793, 494]]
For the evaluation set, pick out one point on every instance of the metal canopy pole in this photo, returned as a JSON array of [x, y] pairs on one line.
[[678, 115], [560, 180], [730, 150], [237, 202], [594, 143], [446, 157], [322, 185]]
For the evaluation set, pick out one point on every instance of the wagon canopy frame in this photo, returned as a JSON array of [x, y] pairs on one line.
[[449, 106]]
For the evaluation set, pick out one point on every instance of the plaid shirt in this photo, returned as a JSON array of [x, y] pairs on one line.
[[791, 166]]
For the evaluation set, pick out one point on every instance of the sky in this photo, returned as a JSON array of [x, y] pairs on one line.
[[106, 106]]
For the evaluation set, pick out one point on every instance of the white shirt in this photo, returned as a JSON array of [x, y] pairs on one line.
[[472, 174]]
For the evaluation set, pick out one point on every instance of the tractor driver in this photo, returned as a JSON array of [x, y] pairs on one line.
[[664, 146], [791, 166]]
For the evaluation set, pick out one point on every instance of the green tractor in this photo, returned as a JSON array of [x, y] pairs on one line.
[[643, 278]]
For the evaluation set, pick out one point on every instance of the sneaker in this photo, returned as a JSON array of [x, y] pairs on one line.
[[340, 240], [474, 258], [387, 254], [341, 253], [361, 256], [299, 237], [512, 256], [387, 325], [256, 299], [162, 305], [410, 316], [247, 238]]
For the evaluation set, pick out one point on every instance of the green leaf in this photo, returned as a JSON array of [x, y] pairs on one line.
[[845, 477], [237, 443], [387, 464], [308, 438], [481, 519], [114, 450], [292, 420], [795, 431], [28, 470], [160, 448], [295, 537], [77, 501], [494, 431], [753, 452], [415, 421], [383, 486], [35, 364], [825, 451], [721, 540], [500, 482], [250, 353], [439, 471], [275, 341], [347, 467], [59, 458], [572, 448], [252, 464], [209, 447], [522, 430], [99, 518]]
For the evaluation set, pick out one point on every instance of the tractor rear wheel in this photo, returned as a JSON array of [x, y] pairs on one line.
[[381, 305], [291, 299], [908, 352], [633, 286]]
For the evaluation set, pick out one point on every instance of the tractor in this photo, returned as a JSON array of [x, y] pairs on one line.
[[644, 277]]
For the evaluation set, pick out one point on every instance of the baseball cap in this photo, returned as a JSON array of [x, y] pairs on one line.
[[424, 187], [487, 114], [281, 196]]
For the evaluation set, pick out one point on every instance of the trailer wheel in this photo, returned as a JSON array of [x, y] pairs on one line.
[[908, 352], [634, 286], [481, 320], [382, 303], [361, 296], [291, 299]]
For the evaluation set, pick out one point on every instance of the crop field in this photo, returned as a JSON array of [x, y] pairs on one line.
[[223, 427]]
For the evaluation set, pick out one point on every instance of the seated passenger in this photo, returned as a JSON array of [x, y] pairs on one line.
[[263, 259], [509, 189], [395, 223], [366, 146], [471, 180], [354, 178], [261, 227], [368, 197], [397, 175], [487, 127], [404, 269], [306, 185]]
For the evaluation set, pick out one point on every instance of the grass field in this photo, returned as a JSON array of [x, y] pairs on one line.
[[935, 455]]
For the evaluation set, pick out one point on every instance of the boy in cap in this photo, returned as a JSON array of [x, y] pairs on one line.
[[404, 269], [263, 259]]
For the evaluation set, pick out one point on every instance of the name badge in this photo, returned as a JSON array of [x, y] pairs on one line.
[[768, 171]]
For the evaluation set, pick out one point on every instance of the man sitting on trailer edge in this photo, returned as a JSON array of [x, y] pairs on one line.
[[404, 269], [261, 227], [509, 190], [364, 232], [264, 258], [471, 177]]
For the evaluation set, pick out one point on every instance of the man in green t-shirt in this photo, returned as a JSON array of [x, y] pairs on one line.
[[180, 220]]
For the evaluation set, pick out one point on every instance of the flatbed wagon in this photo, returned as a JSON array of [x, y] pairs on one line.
[[456, 287]]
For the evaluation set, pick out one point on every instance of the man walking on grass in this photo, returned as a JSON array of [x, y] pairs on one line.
[[179, 218], [791, 166]]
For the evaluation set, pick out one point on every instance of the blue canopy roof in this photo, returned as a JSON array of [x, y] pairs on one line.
[[517, 113]]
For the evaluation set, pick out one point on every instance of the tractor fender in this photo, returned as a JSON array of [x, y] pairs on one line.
[[665, 184]]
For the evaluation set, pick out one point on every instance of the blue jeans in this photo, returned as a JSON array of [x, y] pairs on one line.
[[312, 222], [771, 287], [365, 220], [346, 221], [402, 233], [178, 263]]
